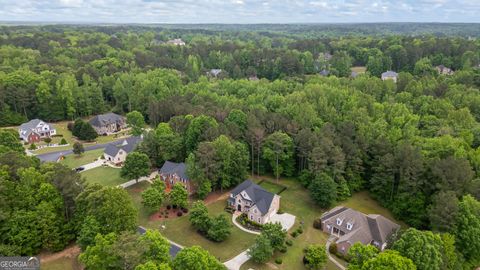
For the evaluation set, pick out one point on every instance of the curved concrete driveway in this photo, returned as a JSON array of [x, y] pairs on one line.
[[54, 156], [330, 257], [235, 263]]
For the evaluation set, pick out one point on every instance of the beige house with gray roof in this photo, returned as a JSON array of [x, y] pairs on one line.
[[350, 226]]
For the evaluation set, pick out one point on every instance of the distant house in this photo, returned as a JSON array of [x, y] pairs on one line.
[[172, 173], [117, 153], [443, 70], [327, 56], [108, 123], [324, 73], [390, 75], [176, 41], [214, 72], [253, 200], [253, 78], [351, 226], [35, 130], [353, 74]]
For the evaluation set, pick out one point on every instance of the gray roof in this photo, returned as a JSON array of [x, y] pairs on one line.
[[324, 72], [389, 73], [127, 145], [28, 126], [106, 119], [179, 169], [365, 228], [215, 72], [258, 195]]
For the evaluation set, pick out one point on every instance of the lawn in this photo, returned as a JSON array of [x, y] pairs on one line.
[[180, 231], [63, 263], [359, 69], [74, 161], [106, 176], [296, 200], [272, 187]]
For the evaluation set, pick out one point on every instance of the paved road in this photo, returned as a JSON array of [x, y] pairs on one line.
[[174, 247], [54, 156]]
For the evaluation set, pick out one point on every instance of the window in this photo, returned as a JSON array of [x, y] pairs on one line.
[[339, 222], [239, 201], [251, 217], [349, 226], [255, 211], [258, 220]]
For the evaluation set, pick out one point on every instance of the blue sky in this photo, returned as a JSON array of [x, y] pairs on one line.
[[240, 11]]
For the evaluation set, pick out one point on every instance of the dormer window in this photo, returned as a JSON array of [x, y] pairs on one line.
[[349, 226], [339, 222]]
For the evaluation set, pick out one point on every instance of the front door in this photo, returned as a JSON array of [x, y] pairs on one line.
[[239, 207]]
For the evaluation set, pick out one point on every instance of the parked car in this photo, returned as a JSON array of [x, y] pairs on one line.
[[79, 169]]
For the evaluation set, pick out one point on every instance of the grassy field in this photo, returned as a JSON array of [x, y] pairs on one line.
[[296, 200], [74, 161], [359, 69], [106, 176], [272, 187], [63, 263], [180, 231]]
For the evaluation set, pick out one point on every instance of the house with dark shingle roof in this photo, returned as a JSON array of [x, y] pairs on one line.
[[35, 130], [350, 226], [172, 172], [258, 204], [117, 153], [108, 123]]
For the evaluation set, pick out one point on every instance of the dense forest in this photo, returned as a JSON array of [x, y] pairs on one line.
[[413, 144]]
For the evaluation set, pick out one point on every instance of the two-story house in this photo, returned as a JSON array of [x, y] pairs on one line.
[[117, 153], [172, 172], [35, 130], [258, 204], [390, 75], [108, 123], [351, 226]]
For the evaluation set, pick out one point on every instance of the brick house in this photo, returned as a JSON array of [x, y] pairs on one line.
[[172, 173], [108, 123], [35, 130]]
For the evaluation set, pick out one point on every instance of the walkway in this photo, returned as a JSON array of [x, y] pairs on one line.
[[97, 163], [330, 257], [153, 175], [236, 263], [286, 220], [234, 220]]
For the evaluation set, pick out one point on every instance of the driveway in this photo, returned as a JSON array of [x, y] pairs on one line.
[[287, 220], [93, 165], [54, 156], [174, 247], [236, 263], [330, 257]]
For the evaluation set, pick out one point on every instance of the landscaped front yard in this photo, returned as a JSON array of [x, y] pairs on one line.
[[74, 161], [179, 230], [106, 176]]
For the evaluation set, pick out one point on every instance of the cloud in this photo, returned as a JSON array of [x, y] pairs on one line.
[[239, 11]]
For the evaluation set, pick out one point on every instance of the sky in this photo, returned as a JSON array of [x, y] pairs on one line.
[[239, 11]]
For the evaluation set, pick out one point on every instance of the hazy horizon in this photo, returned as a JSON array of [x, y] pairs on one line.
[[238, 11]]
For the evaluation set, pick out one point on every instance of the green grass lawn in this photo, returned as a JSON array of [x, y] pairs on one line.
[[63, 263], [272, 187], [74, 161], [180, 231], [106, 176], [359, 69], [296, 200]]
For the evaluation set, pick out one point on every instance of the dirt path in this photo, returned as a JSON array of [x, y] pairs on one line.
[[69, 252]]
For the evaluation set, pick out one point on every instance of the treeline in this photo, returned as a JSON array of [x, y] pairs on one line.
[[62, 72]]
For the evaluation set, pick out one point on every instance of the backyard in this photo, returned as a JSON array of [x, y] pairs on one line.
[[74, 161], [106, 176]]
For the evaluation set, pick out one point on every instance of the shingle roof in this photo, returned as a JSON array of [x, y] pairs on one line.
[[28, 126], [258, 195], [179, 169], [105, 119], [127, 145], [389, 73]]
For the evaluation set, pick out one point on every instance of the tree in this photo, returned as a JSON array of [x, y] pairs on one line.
[[315, 257], [424, 67], [136, 165], [9, 141], [179, 195], [153, 196], [78, 148], [89, 230], [389, 260], [278, 150], [136, 121], [219, 229], [359, 254], [101, 255], [467, 229], [262, 250], [84, 130], [275, 233], [199, 217], [323, 190], [424, 248], [443, 211], [201, 128], [149, 265], [196, 258], [157, 247], [129, 249], [341, 63]]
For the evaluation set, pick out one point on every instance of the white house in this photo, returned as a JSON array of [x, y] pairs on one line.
[[35, 130], [116, 154]]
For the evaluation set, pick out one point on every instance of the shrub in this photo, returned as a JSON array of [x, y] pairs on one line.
[[70, 126], [166, 216], [179, 213], [47, 140], [32, 146], [169, 207], [317, 224], [300, 230], [278, 261], [289, 242], [283, 249], [249, 224], [174, 206], [185, 210], [294, 234], [280, 211], [333, 248]]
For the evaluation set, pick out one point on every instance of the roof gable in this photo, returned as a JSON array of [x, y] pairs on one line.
[[106, 119], [179, 169], [258, 195]]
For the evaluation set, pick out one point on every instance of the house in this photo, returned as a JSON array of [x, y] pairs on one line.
[[176, 41], [258, 204], [214, 72], [117, 153], [354, 74], [108, 123], [172, 173], [443, 70], [390, 75], [351, 226], [253, 78], [324, 73], [35, 130]]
